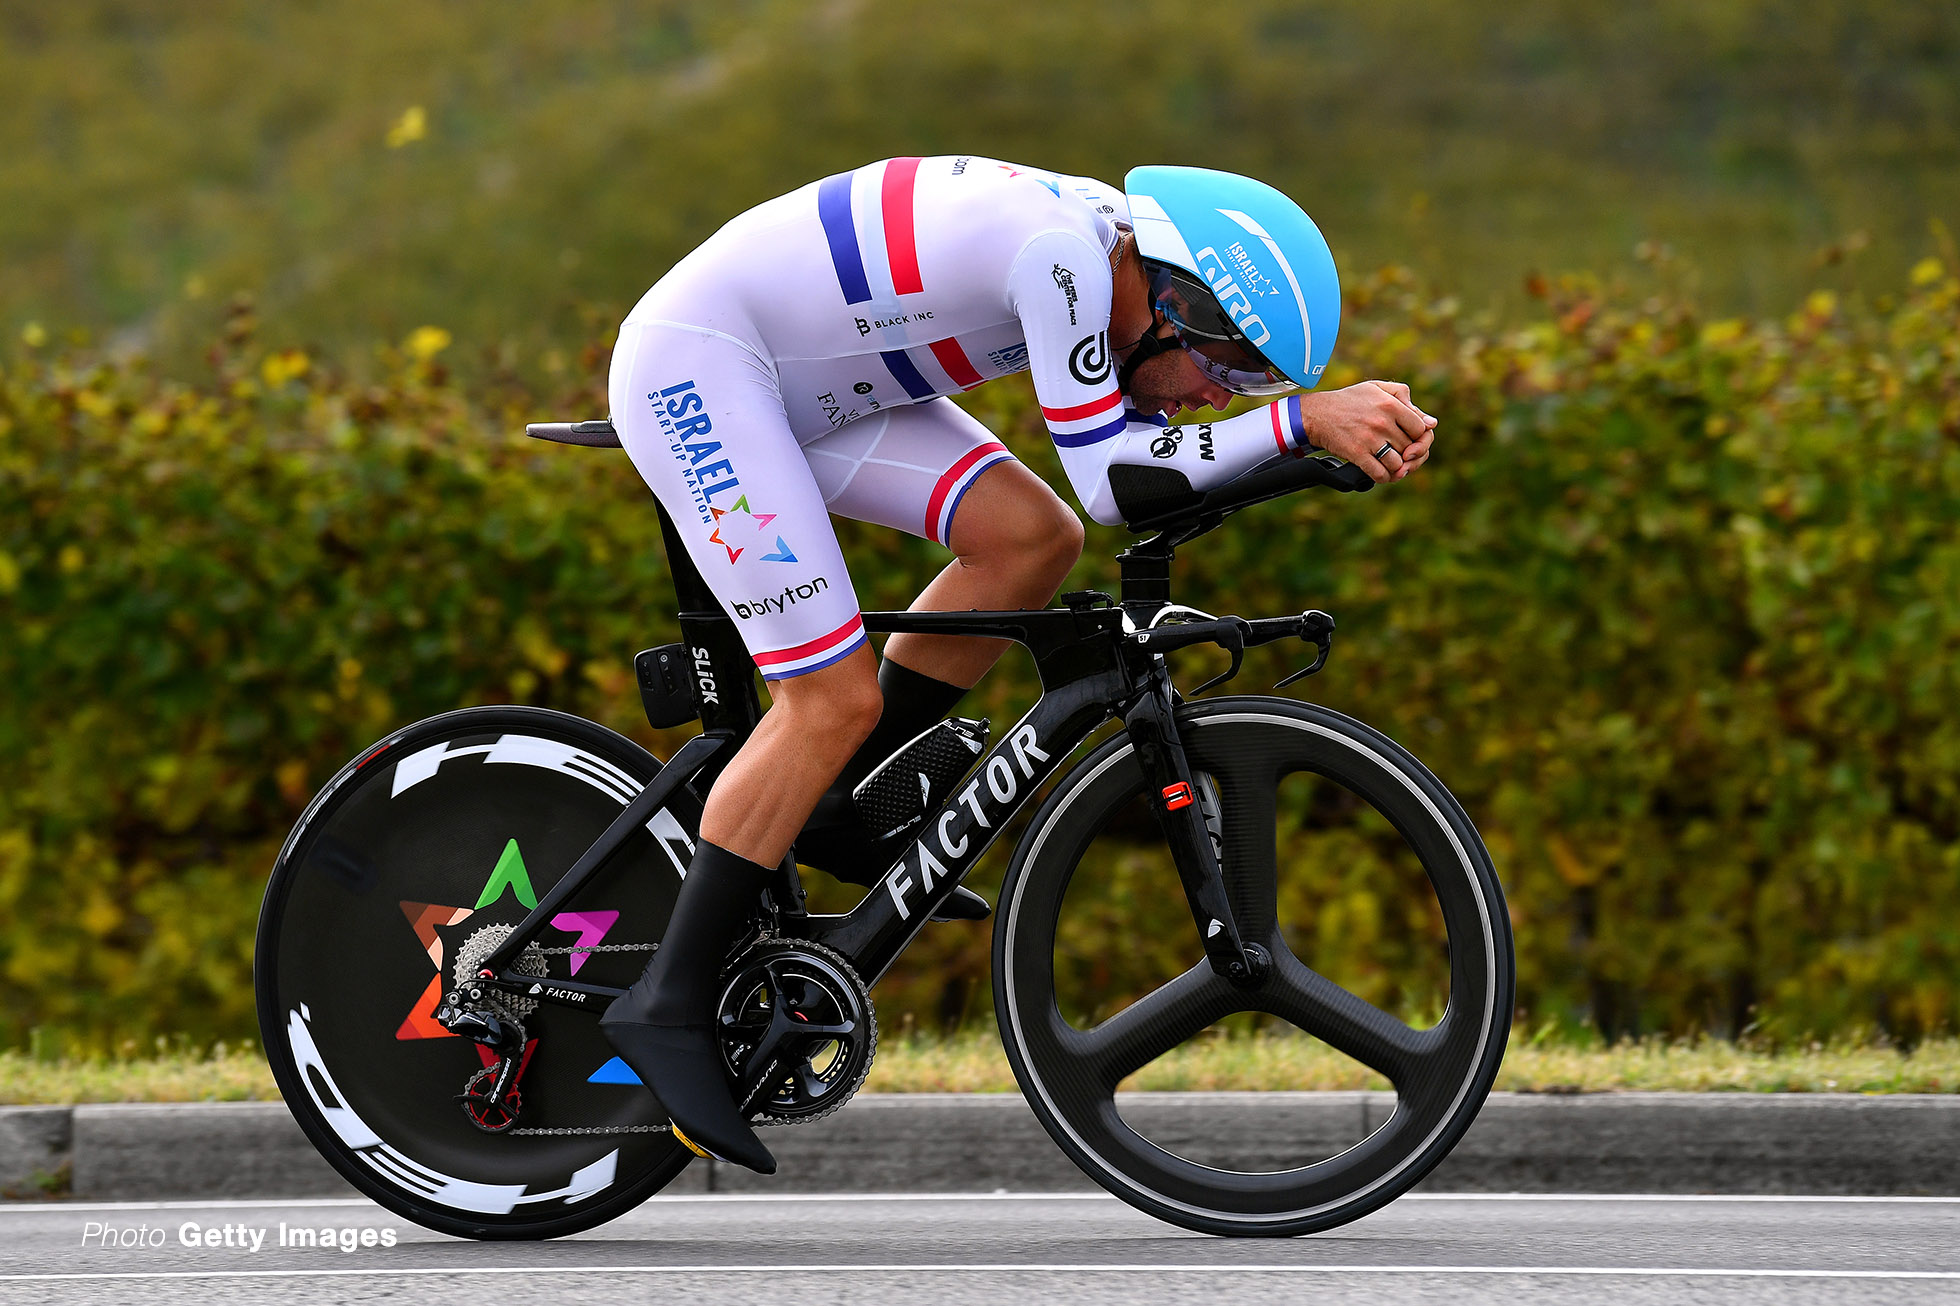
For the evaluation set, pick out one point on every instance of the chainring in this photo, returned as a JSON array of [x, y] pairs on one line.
[[798, 1032]]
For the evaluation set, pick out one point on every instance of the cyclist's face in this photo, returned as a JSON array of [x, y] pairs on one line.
[[1171, 382]]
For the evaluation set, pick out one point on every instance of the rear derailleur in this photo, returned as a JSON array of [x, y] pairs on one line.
[[493, 1020]]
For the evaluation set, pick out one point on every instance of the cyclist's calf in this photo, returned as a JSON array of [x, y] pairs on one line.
[[818, 720]]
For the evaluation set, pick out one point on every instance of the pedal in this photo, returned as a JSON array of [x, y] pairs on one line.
[[907, 786]]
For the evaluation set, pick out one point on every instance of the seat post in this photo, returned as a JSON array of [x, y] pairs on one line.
[[712, 644], [689, 588]]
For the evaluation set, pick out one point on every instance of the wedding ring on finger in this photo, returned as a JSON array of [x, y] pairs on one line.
[[1383, 452]]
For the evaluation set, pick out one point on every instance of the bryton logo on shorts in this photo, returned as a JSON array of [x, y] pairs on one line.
[[779, 602]]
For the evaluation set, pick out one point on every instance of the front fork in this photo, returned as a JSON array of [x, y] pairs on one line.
[[1152, 727]]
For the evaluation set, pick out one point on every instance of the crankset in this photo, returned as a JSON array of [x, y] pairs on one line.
[[797, 1031]]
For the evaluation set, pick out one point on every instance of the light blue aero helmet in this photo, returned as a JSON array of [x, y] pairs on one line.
[[1243, 274]]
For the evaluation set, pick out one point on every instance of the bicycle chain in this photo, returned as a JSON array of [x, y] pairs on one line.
[[587, 1130], [582, 1130], [600, 947]]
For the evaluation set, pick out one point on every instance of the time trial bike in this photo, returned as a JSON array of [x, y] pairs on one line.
[[457, 907]]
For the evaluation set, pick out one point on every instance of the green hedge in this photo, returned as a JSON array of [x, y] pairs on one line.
[[1672, 611]]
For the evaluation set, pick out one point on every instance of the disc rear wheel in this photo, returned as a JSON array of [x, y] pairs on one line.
[[416, 858]]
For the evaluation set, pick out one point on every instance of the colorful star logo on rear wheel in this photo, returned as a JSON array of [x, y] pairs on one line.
[[507, 876]]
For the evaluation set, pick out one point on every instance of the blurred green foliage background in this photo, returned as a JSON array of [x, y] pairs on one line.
[[154, 159], [1673, 614], [1672, 611]]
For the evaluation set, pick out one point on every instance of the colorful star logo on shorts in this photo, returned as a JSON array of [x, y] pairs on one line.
[[739, 528]]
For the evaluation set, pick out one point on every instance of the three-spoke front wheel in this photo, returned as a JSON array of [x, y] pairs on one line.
[[1369, 886]]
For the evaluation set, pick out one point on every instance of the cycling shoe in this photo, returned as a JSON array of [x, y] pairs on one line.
[[664, 1026], [682, 1065]]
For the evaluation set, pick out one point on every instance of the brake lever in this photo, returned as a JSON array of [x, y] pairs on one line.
[[1317, 627], [1233, 642]]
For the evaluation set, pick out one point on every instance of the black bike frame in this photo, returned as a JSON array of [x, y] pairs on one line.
[[1094, 665]]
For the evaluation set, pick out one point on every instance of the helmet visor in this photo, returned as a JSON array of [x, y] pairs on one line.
[[1208, 334]]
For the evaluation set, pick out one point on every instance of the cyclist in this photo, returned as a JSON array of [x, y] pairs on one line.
[[798, 364]]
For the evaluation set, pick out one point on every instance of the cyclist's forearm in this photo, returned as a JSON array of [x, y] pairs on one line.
[[1207, 454]]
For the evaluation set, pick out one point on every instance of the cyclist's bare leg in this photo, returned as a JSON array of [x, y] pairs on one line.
[[1015, 541], [817, 721], [663, 1026]]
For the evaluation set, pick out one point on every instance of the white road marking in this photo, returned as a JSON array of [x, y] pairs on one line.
[[204, 1204], [236, 1203], [1214, 1270]]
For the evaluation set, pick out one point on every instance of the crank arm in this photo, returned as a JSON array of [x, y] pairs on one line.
[[1167, 771]]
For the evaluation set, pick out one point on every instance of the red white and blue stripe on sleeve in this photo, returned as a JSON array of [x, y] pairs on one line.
[[1088, 423], [1289, 431], [815, 654], [869, 224], [1106, 418]]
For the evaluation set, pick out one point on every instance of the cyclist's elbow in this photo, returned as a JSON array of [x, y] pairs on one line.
[[1100, 504]]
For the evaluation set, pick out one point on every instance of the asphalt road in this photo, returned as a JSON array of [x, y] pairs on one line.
[[1085, 1250]]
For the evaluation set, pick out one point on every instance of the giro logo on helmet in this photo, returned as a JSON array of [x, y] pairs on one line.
[[1232, 296], [1249, 282]]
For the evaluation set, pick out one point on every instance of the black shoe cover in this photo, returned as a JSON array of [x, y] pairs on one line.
[[834, 841], [664, 1026], [682, 1065]]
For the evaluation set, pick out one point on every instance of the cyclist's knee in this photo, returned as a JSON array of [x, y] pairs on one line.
[[1018, 522], [1046, 538], [841, 701], [1064, 535]]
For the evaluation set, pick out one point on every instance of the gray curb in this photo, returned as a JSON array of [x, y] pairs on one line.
[[1806, 1144]]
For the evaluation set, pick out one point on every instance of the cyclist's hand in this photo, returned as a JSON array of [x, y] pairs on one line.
[[1359, 420]]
